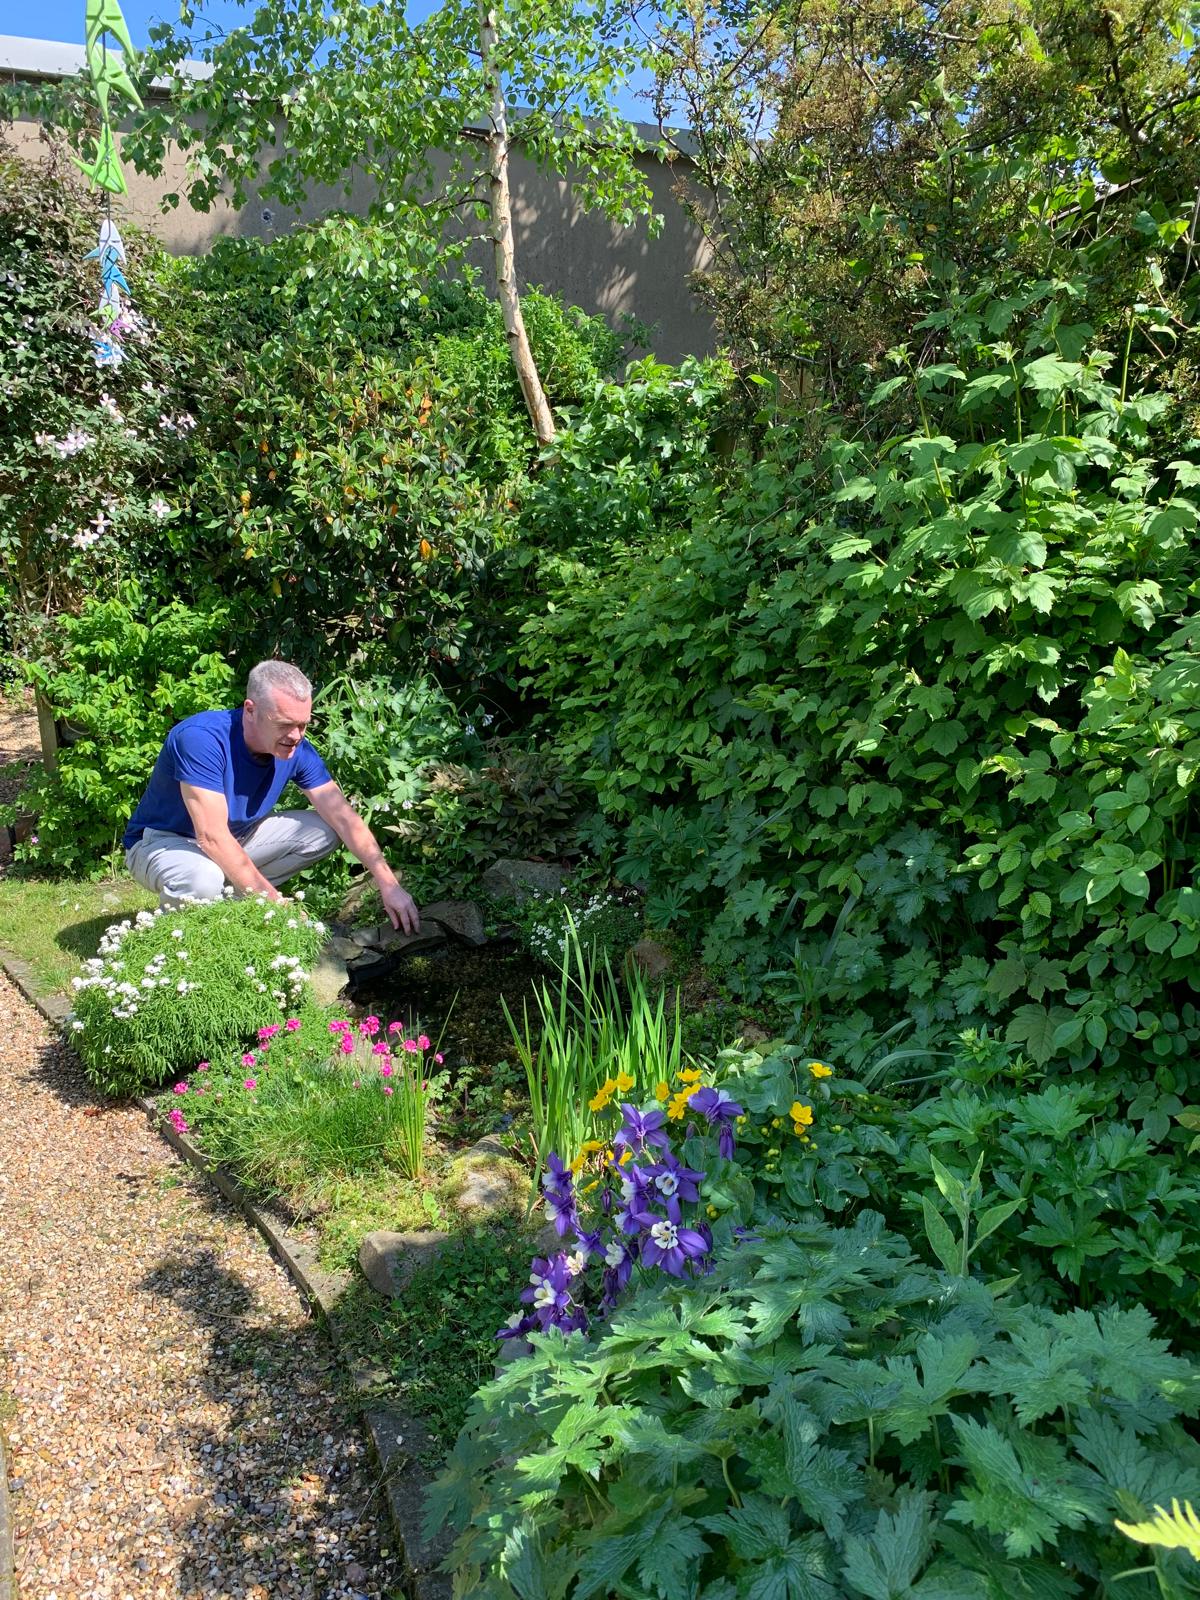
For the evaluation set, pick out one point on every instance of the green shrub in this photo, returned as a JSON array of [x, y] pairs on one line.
[[1078, 1207], [118, 680], [173, 988], [89, 459], [823, 1416], [919, 722]]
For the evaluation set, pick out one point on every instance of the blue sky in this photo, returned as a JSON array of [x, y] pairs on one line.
[[63, 20]]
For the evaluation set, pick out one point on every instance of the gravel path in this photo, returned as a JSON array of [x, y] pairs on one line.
[[171, 1409]]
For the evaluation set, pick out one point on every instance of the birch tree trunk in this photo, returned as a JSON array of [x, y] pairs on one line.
[[502, 237]]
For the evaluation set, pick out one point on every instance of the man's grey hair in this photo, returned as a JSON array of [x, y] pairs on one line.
[[278, 677]]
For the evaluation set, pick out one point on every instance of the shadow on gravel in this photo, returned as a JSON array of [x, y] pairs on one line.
[[281, 1493]]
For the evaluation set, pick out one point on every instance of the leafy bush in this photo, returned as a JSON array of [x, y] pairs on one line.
[[173, 988], [356, 471], [1049, 1185], [119, 679], [822, 1416], [515, 801], [602, 923], [932, 704]]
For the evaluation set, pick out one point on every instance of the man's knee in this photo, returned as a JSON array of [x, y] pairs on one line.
[[196, 879], [317, 839]]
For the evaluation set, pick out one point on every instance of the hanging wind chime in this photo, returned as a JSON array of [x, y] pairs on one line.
[[109, 76]]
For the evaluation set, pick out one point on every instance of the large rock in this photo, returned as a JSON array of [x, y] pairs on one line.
[[389, 1260], [651, 960], [462, 920], [389, 939], [486, 1180], [521, 880]]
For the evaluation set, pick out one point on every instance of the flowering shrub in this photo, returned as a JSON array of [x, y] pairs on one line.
[[313, 1097], [171, 988]]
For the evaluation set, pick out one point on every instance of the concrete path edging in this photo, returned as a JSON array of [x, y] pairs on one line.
[[8, 1564], [399, 1441]]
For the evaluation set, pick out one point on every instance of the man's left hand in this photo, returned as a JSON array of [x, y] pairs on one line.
[[401, 908]]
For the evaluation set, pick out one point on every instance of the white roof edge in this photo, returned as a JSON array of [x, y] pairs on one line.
[[51, 58]]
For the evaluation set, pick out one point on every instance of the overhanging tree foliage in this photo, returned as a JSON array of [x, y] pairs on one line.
[[305, 96]]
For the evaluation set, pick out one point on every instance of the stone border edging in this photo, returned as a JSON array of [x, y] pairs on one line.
[[397, 1440], [8, 1564]]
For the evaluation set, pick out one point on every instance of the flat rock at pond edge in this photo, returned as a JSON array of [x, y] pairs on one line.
[[462, 919], [651, 959], [521, 880], [329, 977], [389, 1260]]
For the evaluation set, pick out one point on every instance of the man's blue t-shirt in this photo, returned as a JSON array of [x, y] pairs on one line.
[[209, 750]]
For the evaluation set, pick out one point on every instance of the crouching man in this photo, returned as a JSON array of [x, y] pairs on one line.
[[208, 815]]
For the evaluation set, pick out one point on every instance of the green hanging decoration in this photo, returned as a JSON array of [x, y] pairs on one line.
[[109, 74]]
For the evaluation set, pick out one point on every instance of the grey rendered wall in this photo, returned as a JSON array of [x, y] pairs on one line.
[[584, 258]]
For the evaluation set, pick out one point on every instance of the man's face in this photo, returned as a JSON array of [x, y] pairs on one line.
[[274, 725]]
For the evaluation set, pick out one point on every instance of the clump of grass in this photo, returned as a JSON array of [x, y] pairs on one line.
[[168, 989]]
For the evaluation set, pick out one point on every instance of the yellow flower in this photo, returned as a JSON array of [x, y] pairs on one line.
[[626, 1155], [678, 1106], [590, 1146], [623, 1083], [690, 1075], [577, 1164], [801, 1114], [601, 1098], [662, 1090], [820, 1070]]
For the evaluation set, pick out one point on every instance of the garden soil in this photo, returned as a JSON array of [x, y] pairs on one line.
[[171, 1410], [19, 745]]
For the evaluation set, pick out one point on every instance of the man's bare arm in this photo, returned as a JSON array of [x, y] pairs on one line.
[[209, 812], [331, 806]]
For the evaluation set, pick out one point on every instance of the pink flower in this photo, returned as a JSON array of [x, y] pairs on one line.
[[292, 1024], [386, 1070], [395, 1027], [387, 1088], [411, 1046], [178, 1121], [439, 1059], [369, 1026], [423, 1040], [202, 1066], [347, 1046], [334, 1027], [381, 1049], [180, 1088], [250, 1083], [357, 1084], [249, 1058], [268, 1032], [201, 1090]]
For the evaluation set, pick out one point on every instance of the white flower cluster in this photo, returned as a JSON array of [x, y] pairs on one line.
[[183, 423], [548, 939], [76, 440]]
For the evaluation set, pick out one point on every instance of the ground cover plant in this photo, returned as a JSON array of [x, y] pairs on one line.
[[172, 988], [771, 1399]]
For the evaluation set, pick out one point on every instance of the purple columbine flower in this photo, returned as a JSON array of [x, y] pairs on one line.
[[558, 1190], [670, 1178], [618, 1268], [671, 1246], [589, 1242], [719, 1111], [549, 1294], [641, 1130]]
